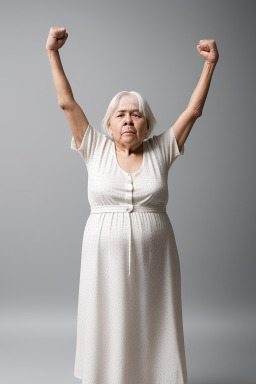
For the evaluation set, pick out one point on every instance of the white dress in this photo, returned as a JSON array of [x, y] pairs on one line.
[[129, 320]]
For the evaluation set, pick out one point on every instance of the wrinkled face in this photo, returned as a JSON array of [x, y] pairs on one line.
[[127, 117]]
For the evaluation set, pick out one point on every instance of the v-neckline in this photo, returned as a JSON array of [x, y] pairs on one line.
[[143, 159]]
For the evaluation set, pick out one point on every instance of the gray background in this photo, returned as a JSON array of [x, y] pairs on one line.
[[149, 47]]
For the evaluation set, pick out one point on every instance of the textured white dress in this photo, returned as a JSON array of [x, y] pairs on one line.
[[129, 320]]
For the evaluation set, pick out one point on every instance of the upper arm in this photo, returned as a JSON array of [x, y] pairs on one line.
[[77, 121], [183, 125], [86, 140]]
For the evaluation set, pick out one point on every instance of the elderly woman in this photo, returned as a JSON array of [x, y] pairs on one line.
[[129, 324]]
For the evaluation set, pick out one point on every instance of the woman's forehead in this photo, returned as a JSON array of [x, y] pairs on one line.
[[128, 102]]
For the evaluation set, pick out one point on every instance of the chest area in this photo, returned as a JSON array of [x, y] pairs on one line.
[[112, 183], [131, 164], [109, 184]]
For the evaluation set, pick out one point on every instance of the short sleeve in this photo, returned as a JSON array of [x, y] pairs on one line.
[[89, 144], [169, 146]]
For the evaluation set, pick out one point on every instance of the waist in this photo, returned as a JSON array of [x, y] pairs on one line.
[[128, 208]]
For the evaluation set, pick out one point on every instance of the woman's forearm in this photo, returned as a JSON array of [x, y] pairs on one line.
[[62, 86], [199, 95]]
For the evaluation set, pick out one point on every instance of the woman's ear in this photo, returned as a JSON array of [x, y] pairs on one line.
[[109, 127]]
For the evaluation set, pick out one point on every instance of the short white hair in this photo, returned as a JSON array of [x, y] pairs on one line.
[[144, 108]]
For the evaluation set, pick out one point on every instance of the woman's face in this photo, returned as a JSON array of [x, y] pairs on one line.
[[127, 117]]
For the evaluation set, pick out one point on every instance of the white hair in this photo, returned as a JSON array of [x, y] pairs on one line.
[[144, 108]]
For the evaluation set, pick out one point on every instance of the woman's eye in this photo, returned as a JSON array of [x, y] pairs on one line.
[[122, 115]]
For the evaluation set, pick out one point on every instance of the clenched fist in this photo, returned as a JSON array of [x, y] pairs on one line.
[[56, 39], [208, 50]]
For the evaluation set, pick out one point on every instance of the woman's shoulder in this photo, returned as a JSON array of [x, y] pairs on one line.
[[165, 144], [156, 139], [94, 142]]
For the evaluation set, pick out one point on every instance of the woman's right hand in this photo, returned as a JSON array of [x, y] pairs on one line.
[[56, 39]]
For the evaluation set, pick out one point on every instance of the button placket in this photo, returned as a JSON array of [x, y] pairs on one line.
[[129, 208]]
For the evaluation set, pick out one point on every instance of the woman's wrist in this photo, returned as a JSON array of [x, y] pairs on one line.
[[52, 52], [210, 64]]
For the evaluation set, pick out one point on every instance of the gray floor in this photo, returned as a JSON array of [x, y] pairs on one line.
[[39, 347]]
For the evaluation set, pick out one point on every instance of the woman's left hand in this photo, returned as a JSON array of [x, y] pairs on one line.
[[208, 50]]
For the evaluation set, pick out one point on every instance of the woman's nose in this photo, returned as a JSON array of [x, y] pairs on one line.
[[128, 119]]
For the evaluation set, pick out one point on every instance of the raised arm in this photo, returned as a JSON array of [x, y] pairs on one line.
[[182, 127], [76, 117]]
